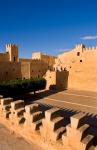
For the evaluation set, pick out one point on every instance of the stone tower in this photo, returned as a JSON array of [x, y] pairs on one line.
[[12, 50]]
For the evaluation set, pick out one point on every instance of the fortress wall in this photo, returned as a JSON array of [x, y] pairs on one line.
[[4, 57], [83, 75], [50, 60], [51, 79], [38, 68], [56, 129], [10, 71], [57, 79], [25, 70], [82, 68]]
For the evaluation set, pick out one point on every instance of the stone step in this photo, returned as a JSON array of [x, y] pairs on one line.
[[77, 120], [57, 123], [87, 142], [6, 107], [17, 104], [18, 120], [84, 130], [6, 101], [19, 112], [65, 138], [31, 108], [1, 96], [64, 135], [6, 114], [58, 133], [52, 113], [36, 125], [37, 116]]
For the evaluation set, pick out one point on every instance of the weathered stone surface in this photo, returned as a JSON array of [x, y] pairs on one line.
[[31, 108], [6, 101], [58, 133], [52, 113], [52, 127], [87, 142], [77, 120], [33, 117], [17, 112], [36, 125], [1, 96], [17, 104]]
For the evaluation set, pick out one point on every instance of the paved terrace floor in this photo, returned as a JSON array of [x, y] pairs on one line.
[[72, 99]]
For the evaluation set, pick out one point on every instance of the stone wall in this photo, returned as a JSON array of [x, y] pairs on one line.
[[10, 71], [81, 63], [57, 79], [52, 128]]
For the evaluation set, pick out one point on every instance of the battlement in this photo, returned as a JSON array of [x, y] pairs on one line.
[[80, 46], [11, 46], [91, 48]]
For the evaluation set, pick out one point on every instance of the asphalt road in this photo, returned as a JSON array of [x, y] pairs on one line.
[[72, 99]]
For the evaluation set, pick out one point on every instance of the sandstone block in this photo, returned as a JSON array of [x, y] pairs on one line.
[[56, 123], [87, 142], [18, 112], [6, 101], [52, 113], [31, 108], [58, 133], [83, 130], [36, 125], [77, 120], [1, 96], [17, 105]]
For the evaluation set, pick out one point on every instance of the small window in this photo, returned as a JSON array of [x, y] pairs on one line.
[[78, 53], [14, 59], [61, 68]]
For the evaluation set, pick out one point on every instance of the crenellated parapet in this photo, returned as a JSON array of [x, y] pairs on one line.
[[9, 46], [53, 129], [91, 48]]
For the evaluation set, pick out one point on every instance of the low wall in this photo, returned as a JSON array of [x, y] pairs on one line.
[[52, 127]]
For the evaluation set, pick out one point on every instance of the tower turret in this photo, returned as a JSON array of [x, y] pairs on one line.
[[13, 52]]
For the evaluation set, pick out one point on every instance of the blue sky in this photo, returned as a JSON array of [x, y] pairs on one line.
[[49, 26]]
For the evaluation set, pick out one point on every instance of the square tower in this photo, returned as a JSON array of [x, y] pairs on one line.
[[12, 50]]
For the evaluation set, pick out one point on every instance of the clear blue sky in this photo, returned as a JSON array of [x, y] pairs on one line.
[[49, 26]]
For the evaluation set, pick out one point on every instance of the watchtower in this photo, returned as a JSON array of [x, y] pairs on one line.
[[12, 50]]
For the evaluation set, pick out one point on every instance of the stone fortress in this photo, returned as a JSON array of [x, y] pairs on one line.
[[52, 127], [73, 69]]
